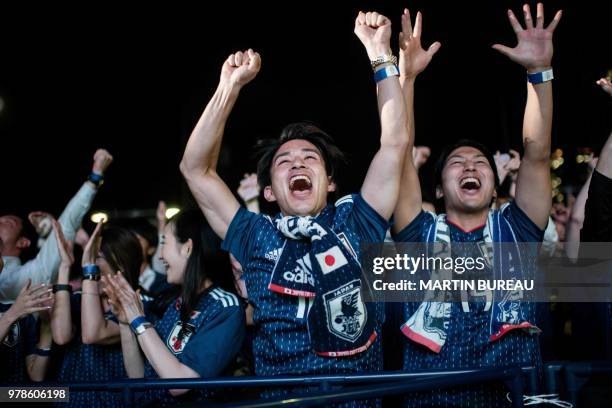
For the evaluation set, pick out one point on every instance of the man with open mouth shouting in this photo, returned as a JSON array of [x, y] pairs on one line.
[[483, 329], [301, 267]]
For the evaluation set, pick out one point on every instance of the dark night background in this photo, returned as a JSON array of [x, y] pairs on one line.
[[135, 81]]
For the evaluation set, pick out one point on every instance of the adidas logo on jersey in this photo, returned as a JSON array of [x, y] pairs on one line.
[[273, 255], [302, 272]]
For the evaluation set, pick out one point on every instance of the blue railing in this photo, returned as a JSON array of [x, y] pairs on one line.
[[363, 386]]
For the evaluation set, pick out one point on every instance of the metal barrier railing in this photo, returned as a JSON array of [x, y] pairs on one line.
[[363, 386]]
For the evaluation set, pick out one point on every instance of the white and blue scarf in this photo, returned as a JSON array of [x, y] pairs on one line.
[[340, 323], [428, 325]]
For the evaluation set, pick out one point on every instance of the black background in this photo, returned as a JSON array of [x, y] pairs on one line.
[[135, 81]]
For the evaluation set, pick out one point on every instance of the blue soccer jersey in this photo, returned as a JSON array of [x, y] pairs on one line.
[[467, 344], [91, 362], [282, 344], [207, 343], [19, 342]]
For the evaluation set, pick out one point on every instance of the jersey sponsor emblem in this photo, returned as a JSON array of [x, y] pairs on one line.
[[179, 336], [302, 273], [346, 313], [331, 259]]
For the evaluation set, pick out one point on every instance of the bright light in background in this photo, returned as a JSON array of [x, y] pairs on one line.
[[1, 104], [171, 212], [99, 216]]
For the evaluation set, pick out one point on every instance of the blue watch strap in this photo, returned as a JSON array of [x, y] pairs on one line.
[[137, 322]]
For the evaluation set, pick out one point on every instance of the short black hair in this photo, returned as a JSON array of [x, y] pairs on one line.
[[266, 149], [461, 143]]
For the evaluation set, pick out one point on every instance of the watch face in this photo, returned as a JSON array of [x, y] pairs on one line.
[[143, 327]]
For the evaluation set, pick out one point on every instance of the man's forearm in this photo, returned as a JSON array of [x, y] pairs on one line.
[[392, 111], [43, 268], [202, 148], [604, 164], [407, 85], [537, 122], [409, 200]]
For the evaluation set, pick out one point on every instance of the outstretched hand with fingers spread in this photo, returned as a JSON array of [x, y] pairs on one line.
[[31, 300], [534, 50], [413, 58]]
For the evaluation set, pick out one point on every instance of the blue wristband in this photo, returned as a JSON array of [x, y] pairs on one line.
[[91, 269], [386, 72], [137, 322], [96, 178], [539, 77]]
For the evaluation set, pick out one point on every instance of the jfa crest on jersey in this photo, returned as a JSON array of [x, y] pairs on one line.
[[179, 336], [346, 314]]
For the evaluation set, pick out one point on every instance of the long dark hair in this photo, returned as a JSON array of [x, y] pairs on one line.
[[123, 252], [206, 260]]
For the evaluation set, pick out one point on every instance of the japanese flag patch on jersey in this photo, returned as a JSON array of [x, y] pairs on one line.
[[331, 259]]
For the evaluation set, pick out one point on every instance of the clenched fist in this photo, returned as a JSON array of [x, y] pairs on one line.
[[374, 31], [240, 68], [102, 159]]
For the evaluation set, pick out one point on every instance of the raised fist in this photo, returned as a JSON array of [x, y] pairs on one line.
[[249, 189], [240, 68], [606, 85], [374, 31], [102, 159], [420, 155]]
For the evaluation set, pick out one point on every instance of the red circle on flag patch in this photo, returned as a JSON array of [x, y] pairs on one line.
[[330, 260]]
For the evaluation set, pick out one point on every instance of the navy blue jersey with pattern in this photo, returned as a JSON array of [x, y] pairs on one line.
[[19, 342], [91, 362], [282, 344], [467, 343], [207, 343]]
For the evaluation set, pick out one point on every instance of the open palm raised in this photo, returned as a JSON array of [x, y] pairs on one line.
[[534, 50], [413, 58]]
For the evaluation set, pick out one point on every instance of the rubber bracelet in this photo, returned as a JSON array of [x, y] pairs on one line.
[[96, 179], [386, 72], [539, 77], [91, 269]]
